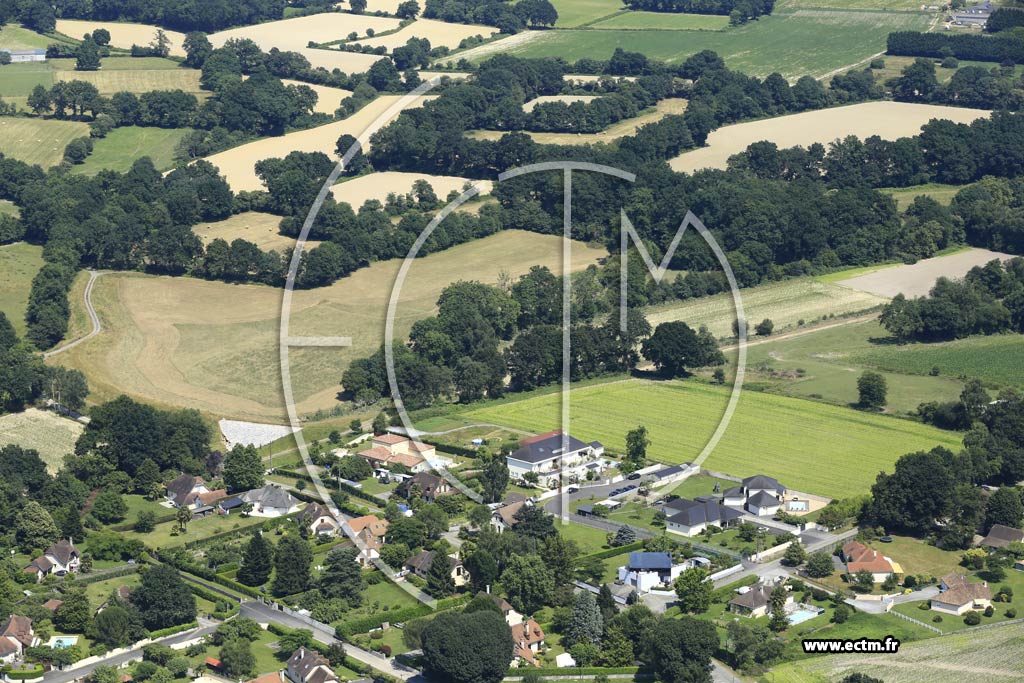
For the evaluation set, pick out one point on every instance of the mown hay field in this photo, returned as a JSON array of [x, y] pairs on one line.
[[785, 303], [259, 228], [122, 34], [122, 146], [38, 141], [889, 120], [50, 434], [328, 98], [439, 33], [130, 74], [809, 446], [917, 279], [802, 42], [214, 346], [992, 655], [379, 185], [663, 21], [19, 263], [905, 196]]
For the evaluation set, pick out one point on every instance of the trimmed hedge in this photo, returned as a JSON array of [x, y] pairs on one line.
[[242, 531], [212, 576], [347, 629], [93, 578], [612, 552], [25, 674], [332, 484], [171, 630], [586, 670], [130, 526], [450, 448]]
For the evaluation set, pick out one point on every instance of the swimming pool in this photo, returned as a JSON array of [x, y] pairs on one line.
[[60, 642], [801, 615]]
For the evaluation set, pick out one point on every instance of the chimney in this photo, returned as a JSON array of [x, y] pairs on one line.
[[488, 589]]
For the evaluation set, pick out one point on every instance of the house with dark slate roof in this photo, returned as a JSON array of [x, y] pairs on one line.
[[319, 520], [691, 517], [419, 565], [185, 489], [754, 601], [1000, 536], [60, 558], [552, 454]]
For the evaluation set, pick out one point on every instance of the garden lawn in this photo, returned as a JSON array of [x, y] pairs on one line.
[[198, 529], [587, 538], [810, 446], [99, 591]]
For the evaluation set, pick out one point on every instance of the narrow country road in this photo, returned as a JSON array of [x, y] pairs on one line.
[[97, 326]]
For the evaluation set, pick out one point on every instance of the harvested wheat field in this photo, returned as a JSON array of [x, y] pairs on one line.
[[122, 35], [237, 163], [328, 98], [889, 120], [917, 279], [672, 105], [379, 185], [372, 6], [50, 434], [214, 346], [454, 75], [565, 99], [439, 33], [251, 226], [295, 34], [110, 81]]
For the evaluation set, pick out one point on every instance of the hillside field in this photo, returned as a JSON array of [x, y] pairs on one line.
[[786, 303], [122, 146], [186, 342], [664, 20], [253, 226], [578, 12], [889, 120], [38, 141], [50, 434], [809, 446], [795, 43], [131, 74], [19, 263]]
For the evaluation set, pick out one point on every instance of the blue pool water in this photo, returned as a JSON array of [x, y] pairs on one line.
[[802, 615], [63, 641]]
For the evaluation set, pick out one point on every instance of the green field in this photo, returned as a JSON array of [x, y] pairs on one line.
[[38, 141], [904, 196], [664, 21], [44, 431], [578, 12], [122, 146], [15, 37], [17, 80], [825, 364], [786, 303], [997, 360], [886, 5], [989, 655], [803, 42], [812, 447], [19, 263]]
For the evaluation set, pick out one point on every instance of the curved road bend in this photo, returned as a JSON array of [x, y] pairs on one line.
[[97, 326]]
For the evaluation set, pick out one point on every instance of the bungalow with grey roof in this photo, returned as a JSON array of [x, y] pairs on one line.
[[691, 517], [270, 501]]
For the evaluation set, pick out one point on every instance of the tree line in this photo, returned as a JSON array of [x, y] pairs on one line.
[[743, 10], [1006, 47], [508, 17], [180, 15], [970, 86]]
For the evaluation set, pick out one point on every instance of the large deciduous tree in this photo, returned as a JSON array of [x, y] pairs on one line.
[[473, 647], [163, 598]]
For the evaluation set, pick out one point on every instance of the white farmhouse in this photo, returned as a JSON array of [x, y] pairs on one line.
[[552, 455]]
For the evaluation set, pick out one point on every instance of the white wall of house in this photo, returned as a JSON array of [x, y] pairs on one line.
[[684, 530]]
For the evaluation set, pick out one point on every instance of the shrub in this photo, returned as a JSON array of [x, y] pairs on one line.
[[937, 618], [989, 611], [877, 63], [972, 618], [1011, 613]]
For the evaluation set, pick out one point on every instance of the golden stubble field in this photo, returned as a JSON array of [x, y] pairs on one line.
[[439, 33], [889, 120], [237, 164], [378, 185], [122, 35], [186, 342], [253, 226]]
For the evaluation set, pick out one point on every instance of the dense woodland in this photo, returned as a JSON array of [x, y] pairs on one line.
[[970, 86], [1005, 47], [508, 17], [180, 15]]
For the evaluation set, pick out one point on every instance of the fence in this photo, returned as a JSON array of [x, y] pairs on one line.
[[919, 623], [735, 569], [775, 550]]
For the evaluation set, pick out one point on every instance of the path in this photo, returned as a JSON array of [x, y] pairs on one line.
[[841, 69], [801, 331], [414, 433], [97, 326], [324, 634]]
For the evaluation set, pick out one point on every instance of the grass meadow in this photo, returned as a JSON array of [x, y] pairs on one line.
[[905, 196], [573, 13], [988, 655], [664, 21], [38, 141], [813, 447], [794, 43], [50, 434], [19, 263], [786, 303], [122, 146]]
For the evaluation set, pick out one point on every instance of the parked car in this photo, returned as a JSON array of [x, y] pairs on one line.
[[634, 476]]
